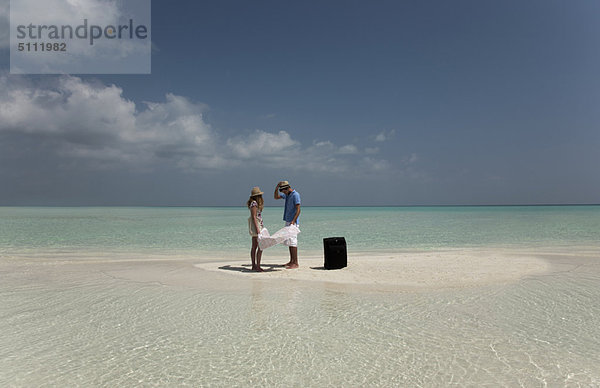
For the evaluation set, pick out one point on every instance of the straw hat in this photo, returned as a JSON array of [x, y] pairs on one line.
[[255, 191], [284, 184]]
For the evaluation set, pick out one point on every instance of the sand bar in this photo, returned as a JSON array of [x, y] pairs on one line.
[[406, 270], [366, 271]]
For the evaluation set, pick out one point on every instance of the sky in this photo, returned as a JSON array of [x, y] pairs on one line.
[[375, 103]]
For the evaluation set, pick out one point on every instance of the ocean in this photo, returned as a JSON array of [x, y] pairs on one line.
[[104, 297], [224, 229]]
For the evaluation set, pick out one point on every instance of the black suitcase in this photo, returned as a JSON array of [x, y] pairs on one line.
[[335, 252]]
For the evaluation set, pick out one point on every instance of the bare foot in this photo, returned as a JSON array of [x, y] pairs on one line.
[[258, 269], [292, 266], [287, 264]]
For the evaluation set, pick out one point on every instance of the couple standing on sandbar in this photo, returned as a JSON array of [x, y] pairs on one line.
[[291, 212]]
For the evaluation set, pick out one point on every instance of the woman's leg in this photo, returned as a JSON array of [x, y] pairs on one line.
[[253, 252], [258, 257]]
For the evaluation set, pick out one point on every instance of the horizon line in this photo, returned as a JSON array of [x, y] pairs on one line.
[[236, 206]]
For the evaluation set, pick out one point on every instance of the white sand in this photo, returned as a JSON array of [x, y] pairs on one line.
[[406, 270], [440, 269]]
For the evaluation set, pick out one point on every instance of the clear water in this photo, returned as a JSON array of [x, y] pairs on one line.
[[68, 323], [365, 229]]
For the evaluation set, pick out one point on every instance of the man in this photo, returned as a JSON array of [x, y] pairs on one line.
[[291, 213]]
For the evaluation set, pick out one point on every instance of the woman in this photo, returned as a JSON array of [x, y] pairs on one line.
[[255, 224]]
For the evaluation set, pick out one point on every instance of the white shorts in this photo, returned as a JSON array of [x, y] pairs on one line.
[[290, 242]]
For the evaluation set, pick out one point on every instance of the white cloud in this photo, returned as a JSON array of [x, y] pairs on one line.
[[260, 144], [374, 164], [95, 122], [348, 149], [385, 135], [327, 144], [411, 159], [94, 125]]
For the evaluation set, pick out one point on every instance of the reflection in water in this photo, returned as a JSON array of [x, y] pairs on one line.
[[259, 313]]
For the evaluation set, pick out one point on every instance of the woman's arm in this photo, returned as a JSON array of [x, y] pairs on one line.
[[253, 213]]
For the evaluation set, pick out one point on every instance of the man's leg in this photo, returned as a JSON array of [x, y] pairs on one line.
[[293, 258], [286, 243], [289, 262]]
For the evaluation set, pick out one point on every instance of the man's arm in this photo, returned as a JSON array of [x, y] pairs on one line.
[[276, 195], [297, 213]]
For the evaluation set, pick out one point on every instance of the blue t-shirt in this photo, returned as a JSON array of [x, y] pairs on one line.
[[290, 206]]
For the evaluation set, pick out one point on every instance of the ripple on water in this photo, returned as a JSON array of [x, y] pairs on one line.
[[542, 330]]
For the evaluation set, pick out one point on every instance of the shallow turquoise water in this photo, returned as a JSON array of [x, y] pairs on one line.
[[69, 325], [72, 323], [225, 229]]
